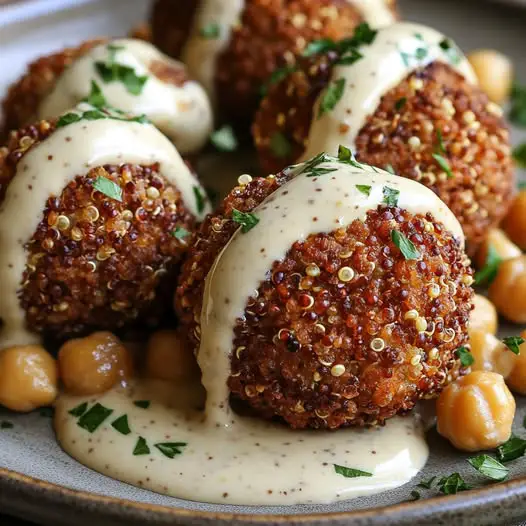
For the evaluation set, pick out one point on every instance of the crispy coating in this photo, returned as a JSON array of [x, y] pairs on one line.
[[475, 138], [321, 352], [95, 262], [269, 35]]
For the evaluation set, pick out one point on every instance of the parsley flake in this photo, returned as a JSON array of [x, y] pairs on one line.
[[143, 404], [97, 114], [364, 189], [350, 472], [400, 103], [108, 187], [6, 424], [405, 245], [200, 200], [489, 271], [331, 97], [444, 164], [277, 76], [441, 146], [211, 31], [345, 155], [465, 356], [427, 484], [452, 484], [514, 448], [489, 467], [415, 494], [180, 233], [68, 118], [451, 50], [519, 154], [391, 196], [141, 447], [319, 46], [311, 168], [513, 343], [79, 410], [170, 449], [517, 113], [247, 220], [94, 417], [280, 145], [121, 425], [224, 139], [95, 97]]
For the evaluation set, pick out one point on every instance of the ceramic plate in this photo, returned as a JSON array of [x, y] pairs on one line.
[[41, 483]]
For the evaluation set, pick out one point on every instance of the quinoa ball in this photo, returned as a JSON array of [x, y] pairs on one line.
[[434, 111], [96, 261], [343, 330], [266, 35]]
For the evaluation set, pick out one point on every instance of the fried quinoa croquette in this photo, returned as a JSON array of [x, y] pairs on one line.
[[431, 123], [347, 328], [104, 251], [233, 47]]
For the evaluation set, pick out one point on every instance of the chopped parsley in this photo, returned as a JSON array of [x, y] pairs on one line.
[[405, 245], [489, 271], [94, 417], [441, 146], [98, 114], [331, 96], [211, 31], [200, 200], [68, 118], [79, 410], [277, 76], [390, 196], [319, 46], [465, 356], [170, 449], [180, 233], [517, 113], [415, 494], [427, 484], [489, 467], [519, 154], [346, 156], [444, 164], [143, 404], [141, 447], [514, 448], [364, 189], [311, 168], [121, 425], [420, 54], [224, 139], [247, 220], [400, 103], [513, 343], [280, 145], [95, 97], [451, 50], [6, 424], [452, 484], [108, 187], [350, 472]]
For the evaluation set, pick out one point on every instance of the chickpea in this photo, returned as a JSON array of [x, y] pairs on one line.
[[516, 380], [514, 223], [476, 411], [484, 316], [167, 358], [494, 72], [28, 378], [508, 289], [94, 364], [490, 353], [501, 245]]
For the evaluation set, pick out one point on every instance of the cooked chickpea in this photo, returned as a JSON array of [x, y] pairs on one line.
[[514, 223], [167, 357], [501, 245], [94, 364], [508, 289], [490, 353], [28, 378], [494, 72], [516, 380], [484, 316], [476, 411]]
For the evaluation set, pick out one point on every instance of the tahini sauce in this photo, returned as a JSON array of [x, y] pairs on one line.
[[47, 168], [382, 68], [239, 460]]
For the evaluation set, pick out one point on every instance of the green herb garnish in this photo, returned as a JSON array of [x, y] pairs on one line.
[[108, 188], [200, 200], [451, 50], [346, 156], [280, 145], [97, 114], [331, 97], [405, 245], [390, 196], [427, 484], [400, 103], [465, 356], [95, 97], [141, 447], [517, 113], [513, 343], [121, 425], [489, 467], [415, 494], [350, 472], [170, 449], [277, 76], [452, 484], [94, 417], [180, 233], [489, 271], [441, 146], [519, 154], [79, 410], [364, 188], [224, 139], [68, 118], [6, 424], [443, 163], [211, 31], [514, 448], [247, 220], [143, 404], [389, 168]]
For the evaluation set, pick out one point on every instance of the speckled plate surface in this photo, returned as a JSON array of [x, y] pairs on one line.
[[41, 483]]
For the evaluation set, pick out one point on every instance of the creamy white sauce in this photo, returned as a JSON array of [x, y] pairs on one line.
[[367, 80], [200, 53], [47, 168], [376, 13], [183, 113]]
